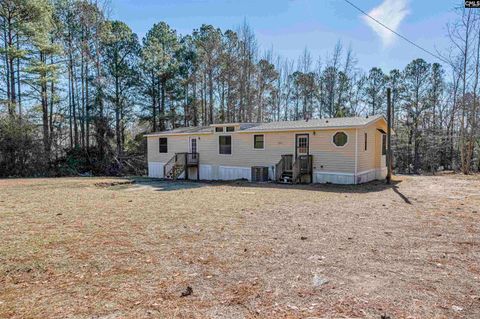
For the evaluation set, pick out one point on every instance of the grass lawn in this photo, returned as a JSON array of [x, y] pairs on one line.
[[107, 248]]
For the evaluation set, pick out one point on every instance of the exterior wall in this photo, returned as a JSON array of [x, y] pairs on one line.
[[366, 158], [327, 157], [371, 163], [331, 164], [175, 144]]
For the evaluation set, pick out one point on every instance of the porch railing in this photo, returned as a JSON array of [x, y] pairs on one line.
[[303, 165], [193, 159], [284, 165], [179, 163]]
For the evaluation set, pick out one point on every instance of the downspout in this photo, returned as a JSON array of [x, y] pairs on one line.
[[356, 156]]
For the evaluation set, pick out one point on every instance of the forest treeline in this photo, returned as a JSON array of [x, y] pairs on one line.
[[78, 90]]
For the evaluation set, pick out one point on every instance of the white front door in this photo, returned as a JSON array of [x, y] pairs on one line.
[[301, 144]]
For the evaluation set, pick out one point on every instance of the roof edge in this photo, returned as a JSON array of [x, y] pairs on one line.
[[374, 119], [173, 134]]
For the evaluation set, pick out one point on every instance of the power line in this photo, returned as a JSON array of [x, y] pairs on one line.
[[398, 34]]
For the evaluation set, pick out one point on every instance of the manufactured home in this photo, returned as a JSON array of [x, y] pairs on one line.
[[349, 150]]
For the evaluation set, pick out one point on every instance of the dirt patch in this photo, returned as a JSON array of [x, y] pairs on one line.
[[114, 183], [129, 248]]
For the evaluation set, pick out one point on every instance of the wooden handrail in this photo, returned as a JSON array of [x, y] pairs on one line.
[[284, 165], [303, 165], [193, 158], [168, 167], [179, 163], [279, 170], [295, 171]]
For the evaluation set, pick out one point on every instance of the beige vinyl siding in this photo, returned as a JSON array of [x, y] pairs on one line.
[[326, 156], [378, 150], [366, 158], [378, 144], [370, 159], [176, 144]]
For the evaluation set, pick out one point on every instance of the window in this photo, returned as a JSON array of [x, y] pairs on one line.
[[219, 129], [366, 141], [230, 128], [225, 143], [163, 146], [302, 144], [193, 144], [340, 139], [258, 142], [384, 144]]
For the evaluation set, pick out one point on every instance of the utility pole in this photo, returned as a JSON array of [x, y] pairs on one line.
[[389, 136]]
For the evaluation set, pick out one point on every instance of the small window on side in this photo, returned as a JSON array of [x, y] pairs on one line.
[[366, 141], [219, 129], [258, 142], [225, 144], [230, 128], [163, 145], [340, 139], [384, 144]]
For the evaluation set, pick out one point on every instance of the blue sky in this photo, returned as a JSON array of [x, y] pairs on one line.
[[288, 26]]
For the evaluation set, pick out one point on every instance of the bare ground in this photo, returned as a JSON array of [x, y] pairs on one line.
[[105, 248]]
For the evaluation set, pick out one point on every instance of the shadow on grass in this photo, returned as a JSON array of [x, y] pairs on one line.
[[163, 185], [169, 185]]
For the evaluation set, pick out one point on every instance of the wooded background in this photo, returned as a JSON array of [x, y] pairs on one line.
[[78, 90]]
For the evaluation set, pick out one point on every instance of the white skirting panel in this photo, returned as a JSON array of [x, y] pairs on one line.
[[381, 173], [347, 178], [224, 173], [333, 178], [216, 172], [155, 169], [227, 173], [271, 173], [370, 175], [366, 176], [206, 172]]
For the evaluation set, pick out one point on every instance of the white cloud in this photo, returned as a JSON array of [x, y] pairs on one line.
[[390, 13]]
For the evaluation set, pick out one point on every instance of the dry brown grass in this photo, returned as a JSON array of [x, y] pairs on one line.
[[106, 248]]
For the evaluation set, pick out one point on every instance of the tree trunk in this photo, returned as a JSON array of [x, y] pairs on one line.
[[117, 116], [163, 82], [44, 102], [87, 109], [74, 107], [154, 104], [11, 71], [210, 98]]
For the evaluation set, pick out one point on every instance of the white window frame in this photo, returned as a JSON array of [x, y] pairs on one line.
[[190, 144], [333, 143], [365, 142], [166, 138], [231, 145], [258, 149]]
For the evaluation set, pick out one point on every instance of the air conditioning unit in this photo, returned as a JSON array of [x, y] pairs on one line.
[[259, 174]]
